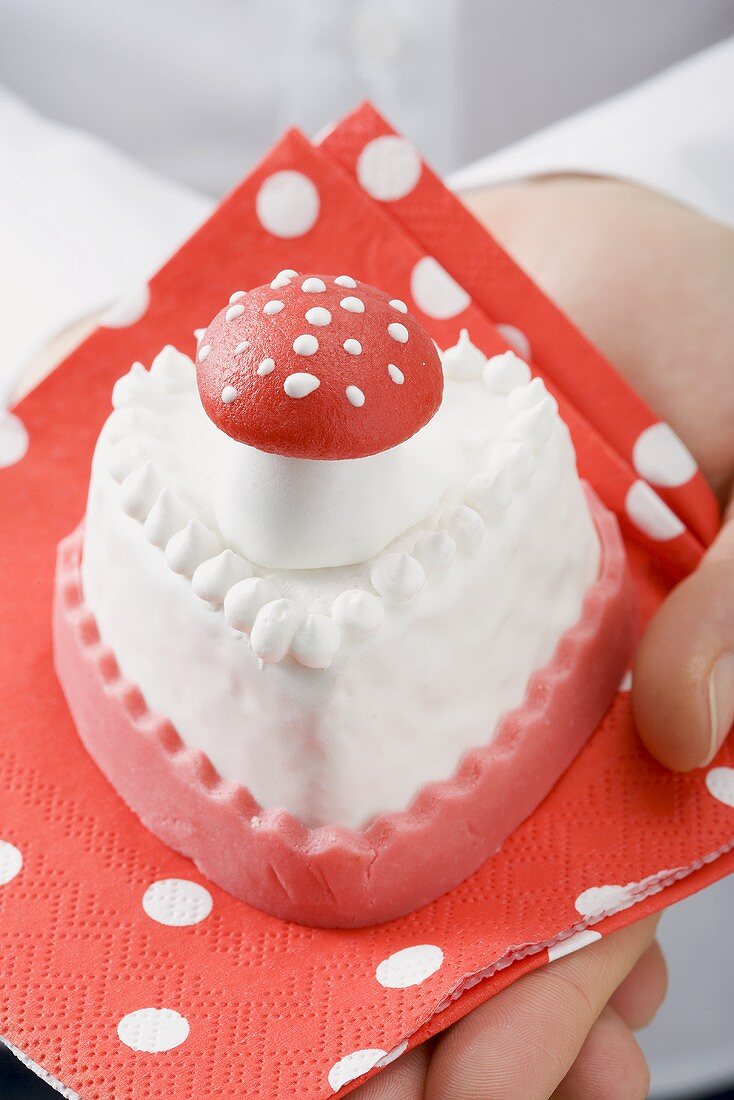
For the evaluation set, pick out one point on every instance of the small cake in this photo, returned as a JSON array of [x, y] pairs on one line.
[[341, 611]]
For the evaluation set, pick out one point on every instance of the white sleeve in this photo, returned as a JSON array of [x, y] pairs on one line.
[[80, 224], [673, 133]]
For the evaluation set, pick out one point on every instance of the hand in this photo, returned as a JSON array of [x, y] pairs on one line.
[[651, 283]]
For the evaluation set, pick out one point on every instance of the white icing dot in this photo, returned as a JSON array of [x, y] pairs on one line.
[[11, 862], [242, 346], [167, 516], [244, 600], [720, 784], [13, 439], [236, 296], [355, 396], [287, 204], [274, 629], [466, 528], [128, 309], [505, 373], [189, 547], [396, 374], [399, 305], [490, 493], [397, 576], [354, 1065], [316, 642], [388, 168], [572, 943], [215, 576], [352, 305], [661, 458], [177, 902], [229, 393], [346, 281], [318, 316], [266, 367], [435, 292], [358, 612], [153, 1030], [272, 307], [353, 347], [306, 344], [626, 681], [398, 332], [411, 966], [650, 514], [313, 286], [234, 312], [301, 384], [203, 352], [435, 551], [517, 340]]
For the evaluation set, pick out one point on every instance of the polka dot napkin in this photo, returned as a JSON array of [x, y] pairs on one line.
[[125, 974]]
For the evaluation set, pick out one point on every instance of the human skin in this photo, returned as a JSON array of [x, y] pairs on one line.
[[651, 283]]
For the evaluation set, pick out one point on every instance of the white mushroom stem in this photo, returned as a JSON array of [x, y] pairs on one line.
[[290, 513]]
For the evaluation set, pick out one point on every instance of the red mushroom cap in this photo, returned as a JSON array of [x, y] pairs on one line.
[[318, 367]]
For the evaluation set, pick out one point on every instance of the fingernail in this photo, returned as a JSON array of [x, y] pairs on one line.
[[721, 702]]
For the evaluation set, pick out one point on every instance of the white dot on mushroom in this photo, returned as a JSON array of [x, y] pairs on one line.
[[318, 316], [306, 344], [234, 312], [301, 384], [352, 305], [353, 347], [346, 281], [398, 332], [266, 367], [397, 304], [273, 306], [242, 346], [229, 393], [396, 374], [355, 396], [313, 286], [203, 352], [236, 296]]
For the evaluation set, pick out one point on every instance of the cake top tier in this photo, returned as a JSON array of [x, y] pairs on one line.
[[318, 367]]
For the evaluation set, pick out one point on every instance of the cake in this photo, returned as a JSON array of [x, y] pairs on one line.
[[341, 611]]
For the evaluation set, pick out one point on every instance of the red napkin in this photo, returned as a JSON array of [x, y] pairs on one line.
[[121, 983]]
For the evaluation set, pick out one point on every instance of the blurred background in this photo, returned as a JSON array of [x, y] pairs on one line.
[[144, 111]]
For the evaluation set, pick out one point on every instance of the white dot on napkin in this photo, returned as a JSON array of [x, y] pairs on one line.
[[720, 784], [598, 900], [177, 902], [354, 1065], [128, 309], [11, 862], [661, 458], [411, 966], [13, 439], [388, 168], [650, 514], [153, 1030], [517, 340], [435, 292], [572, 943], [287, 204]]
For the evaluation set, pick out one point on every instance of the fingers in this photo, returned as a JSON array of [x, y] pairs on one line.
[[524, 1041], [401, 1080], [610, 1065], [683, 692], [641, 994]]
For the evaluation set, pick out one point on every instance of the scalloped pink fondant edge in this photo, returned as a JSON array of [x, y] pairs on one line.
[[332, 876]]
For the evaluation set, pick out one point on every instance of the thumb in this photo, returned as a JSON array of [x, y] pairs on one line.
[[683, 693]]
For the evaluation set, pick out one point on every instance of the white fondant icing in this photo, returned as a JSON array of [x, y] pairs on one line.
[[466, 528], [313, 286], [301, 384], [358, 612], [325, 744], [131, 388], [396, 374], [505, 372], [229, 394], [203, 352], [135, 451], [316, 642], [140, 490], [243, 601], [274, 628], [399, 305], [168, 515], [534, 425], [527, 396], [242, 346], [188, 548], [353, 347], [346, 281], [397, 577], [272, 307], [436, 551], [213, 579], [172, 370], [463, 360], [352, 304], [236, 296], [266, 367]]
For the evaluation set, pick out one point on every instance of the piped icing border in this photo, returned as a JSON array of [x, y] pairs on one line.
[[333, 876], [253, 605]]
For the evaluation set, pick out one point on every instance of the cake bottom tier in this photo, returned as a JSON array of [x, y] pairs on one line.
[[337, 877]]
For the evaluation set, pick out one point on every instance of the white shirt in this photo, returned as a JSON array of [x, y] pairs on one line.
[[81, 222]]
